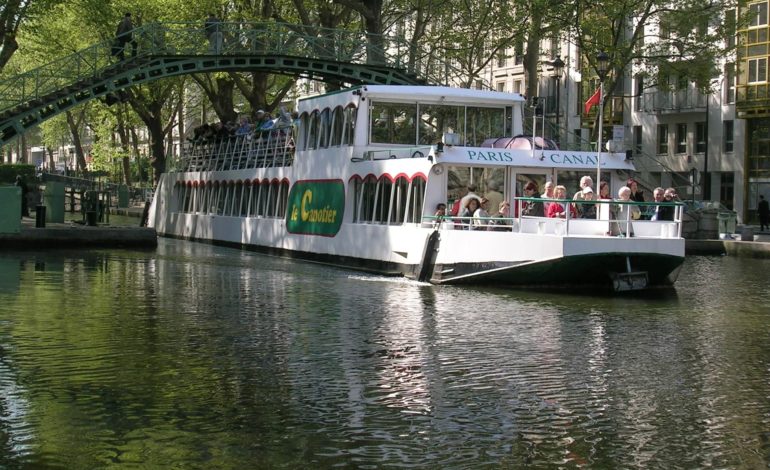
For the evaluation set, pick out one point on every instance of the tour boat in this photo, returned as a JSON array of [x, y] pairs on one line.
[[354, 178]]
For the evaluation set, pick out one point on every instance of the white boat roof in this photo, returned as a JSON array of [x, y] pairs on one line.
[[410, 94]]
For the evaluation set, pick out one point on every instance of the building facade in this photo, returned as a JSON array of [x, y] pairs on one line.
[[709, 146]]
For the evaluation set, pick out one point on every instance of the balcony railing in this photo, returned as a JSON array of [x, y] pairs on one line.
[[672, 101]]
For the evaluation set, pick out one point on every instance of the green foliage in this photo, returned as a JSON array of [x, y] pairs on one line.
[[8, 173]]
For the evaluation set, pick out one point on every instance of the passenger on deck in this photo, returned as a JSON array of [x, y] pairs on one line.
[[457, 207], [636, 194], [587, 211], [548, 194], [532, 208], [481, 216], [667, 212], [585, 182], [468, 211], [657, 196], [604, 191], [503, 221], [495, 197], [439, 214], [470, 194], [244, 128], [627, 212], [559, 209]]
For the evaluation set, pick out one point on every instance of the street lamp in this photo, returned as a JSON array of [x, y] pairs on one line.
[[602, 65], [558, 67]]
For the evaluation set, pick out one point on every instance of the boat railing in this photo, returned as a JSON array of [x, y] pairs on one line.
[[610, 218], [259, 149], [421, 151]]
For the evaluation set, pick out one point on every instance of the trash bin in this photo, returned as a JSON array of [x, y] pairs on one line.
[[91, 218], [122, 196], [40, 216], [747, 234]]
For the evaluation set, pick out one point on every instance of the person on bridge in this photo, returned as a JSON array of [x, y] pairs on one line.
[[213, 28], [123, 36]]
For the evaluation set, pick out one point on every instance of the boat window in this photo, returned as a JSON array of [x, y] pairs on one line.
[[483, 124], [399, 200], [435, 120], [383, 201], [246, 191], [324, 127], [338, 118], [283, 199], [303, 131], [312, 131], [365, 200], [485, 182], [416, 199], [393, 123], [349, 125], [258, 195]]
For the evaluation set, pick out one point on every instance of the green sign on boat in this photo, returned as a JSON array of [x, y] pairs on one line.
[[316, 207]]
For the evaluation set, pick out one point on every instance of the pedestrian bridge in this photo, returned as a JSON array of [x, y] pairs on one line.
[[169, 49]]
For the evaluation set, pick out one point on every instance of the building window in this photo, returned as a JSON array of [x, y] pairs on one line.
[[758, 70], [639, 92], [701, 137], [517, 86], [730, 27], [681, 138], [663, 138], [757, 14], [730, 83], [501, 59], [638, 140], [727, 136], [500, 86], [478, 84]]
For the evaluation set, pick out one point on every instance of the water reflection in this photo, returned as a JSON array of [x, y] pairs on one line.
[[203, 357]]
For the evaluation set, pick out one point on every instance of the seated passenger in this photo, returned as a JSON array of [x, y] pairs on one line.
[[439, 214], [559, 209], [503, 222], [467, 213], [481, 216], [532, 208]]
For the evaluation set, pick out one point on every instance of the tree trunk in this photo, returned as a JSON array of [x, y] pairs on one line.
[[532, 54], [76, 142], [22, 157], [51, 164], [157, 148]]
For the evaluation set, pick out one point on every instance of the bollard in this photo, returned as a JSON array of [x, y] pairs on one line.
[[91, 218], [747, 234], [40, 216]]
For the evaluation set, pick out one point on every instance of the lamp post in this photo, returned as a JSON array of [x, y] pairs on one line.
[[602, 64], [558, 67]]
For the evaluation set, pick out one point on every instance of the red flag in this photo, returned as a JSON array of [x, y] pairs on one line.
[[594, 99]]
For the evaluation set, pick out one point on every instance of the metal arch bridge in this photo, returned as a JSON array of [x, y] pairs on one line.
[[169, 49]]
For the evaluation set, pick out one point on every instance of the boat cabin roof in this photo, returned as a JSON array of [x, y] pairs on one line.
[[410, 94]]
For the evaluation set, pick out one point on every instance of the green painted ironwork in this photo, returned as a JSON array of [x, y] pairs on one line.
[[160, 50]]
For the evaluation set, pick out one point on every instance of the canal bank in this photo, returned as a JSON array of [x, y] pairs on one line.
[[72, 234], [748, 243]]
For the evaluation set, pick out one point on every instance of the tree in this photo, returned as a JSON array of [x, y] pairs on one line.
[[13, 13], [654, 38]]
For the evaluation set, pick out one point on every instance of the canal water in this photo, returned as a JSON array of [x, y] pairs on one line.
[[195, 356]]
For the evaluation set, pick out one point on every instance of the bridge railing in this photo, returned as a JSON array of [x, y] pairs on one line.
[[235, 38]]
